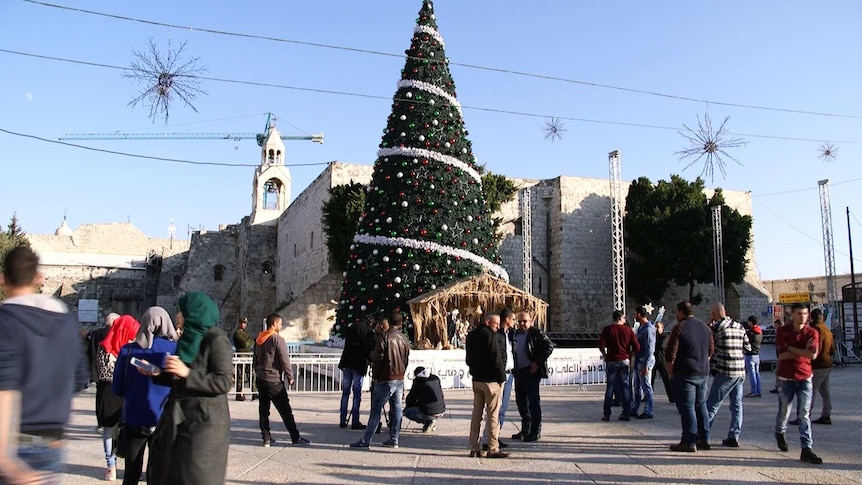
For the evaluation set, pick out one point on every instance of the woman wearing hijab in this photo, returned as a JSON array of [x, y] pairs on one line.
[[109, 406], [143, 398], [190, 444]]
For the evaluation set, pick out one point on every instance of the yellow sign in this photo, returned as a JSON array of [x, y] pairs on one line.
[[794, 297]]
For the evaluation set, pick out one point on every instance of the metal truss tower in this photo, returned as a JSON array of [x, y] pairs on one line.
[[617, 240], [829, 253], [718, 253], [527, 234]]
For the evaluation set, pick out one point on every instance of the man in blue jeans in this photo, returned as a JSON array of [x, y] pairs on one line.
[[41, 365], [689, 348], [358, 343], [388, 363], [618, 346], [728, 369], [644, 362], [796, 345]]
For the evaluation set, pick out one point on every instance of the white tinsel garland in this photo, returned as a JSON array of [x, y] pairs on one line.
[[430, 31], [429, 245], [423, 153], [422, 85]]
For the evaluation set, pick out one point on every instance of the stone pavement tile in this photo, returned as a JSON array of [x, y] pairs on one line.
[[576, 447]]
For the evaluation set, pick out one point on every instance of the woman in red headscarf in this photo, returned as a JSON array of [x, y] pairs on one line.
[[109, 406]]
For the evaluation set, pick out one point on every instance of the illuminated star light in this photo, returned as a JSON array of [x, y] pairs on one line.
[[554, 129], [704, 142], [828, 152]]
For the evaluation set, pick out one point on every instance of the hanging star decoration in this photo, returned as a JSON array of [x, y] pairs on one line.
[[554, 129], [710, 145], [164, 76], [649, 308], [828, 152]]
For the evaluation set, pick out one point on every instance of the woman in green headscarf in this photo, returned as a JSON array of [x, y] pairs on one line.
[[191, 448]]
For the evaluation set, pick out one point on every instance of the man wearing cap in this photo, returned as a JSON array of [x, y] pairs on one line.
[[425, 400], [243, 343]]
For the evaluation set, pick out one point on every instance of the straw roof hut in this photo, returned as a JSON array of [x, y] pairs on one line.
[[471, 297]]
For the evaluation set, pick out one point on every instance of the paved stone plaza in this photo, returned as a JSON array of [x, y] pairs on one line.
[[576, 447]]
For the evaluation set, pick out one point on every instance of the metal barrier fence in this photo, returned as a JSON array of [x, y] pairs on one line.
[[320, 373]]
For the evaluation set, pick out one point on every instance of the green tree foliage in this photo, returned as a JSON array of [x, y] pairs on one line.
[[669, 238], [340, 219], [426, 222], [9, 240]]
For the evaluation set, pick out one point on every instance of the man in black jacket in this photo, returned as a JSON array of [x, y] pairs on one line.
[[358, 343], [488, 372], [532, 350], [425, 401]]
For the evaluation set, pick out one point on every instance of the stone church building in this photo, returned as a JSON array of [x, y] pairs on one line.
[[275, 259]]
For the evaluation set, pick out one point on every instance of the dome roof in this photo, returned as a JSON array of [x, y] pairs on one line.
[[63, 230]]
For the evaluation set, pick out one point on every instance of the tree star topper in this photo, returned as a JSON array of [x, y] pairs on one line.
[[709, 143], [164, 76]]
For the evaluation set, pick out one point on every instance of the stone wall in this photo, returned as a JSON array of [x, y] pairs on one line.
[[311, 315], [211, 249], [108, 262], [302, 255], [257, 268]]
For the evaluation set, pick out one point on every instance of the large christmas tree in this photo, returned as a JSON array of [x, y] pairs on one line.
[[425, 222]]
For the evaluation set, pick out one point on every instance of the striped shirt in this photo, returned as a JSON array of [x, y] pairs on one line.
[[731, 341]]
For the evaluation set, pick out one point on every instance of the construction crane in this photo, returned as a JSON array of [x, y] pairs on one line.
[[260, 137]]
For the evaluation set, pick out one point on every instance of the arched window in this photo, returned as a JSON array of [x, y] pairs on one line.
[[266, 267], [272, 194], [177, 280], [270, 159], [218, 272]]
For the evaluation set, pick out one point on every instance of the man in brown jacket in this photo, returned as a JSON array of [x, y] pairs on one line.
[[822, 365], [388, 362], [271, 360]]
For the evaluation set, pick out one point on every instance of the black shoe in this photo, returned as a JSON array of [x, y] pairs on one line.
[[644, 416], [240, 397], [500, 454], [518, 436], [606, 418], [703, 446], [254, 396], [793, 422], [809, 456], [342, 425], [782, 443], [267, 442], [358, 426], [730, 442], [532, 438], [624, 418], [683, 448], [502, 445], [774, 391], [823, 420], [301, 442], [429, 427]]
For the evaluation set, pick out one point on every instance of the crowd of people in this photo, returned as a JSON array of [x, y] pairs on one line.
[[705, 364], [162, 383]]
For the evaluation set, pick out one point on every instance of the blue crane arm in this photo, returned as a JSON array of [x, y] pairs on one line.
[[316, 137]]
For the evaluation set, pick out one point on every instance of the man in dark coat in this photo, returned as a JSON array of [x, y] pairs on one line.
[[532, 350], [242, 343], [358, 344], [488, 372], [425, 403]]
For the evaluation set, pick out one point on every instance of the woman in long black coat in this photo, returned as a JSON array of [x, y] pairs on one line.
[[191, 443]]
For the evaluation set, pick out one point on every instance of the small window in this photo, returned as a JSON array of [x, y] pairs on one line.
[[177, 280], [294, 250], [218, 272], [266, 267], [312, 239], [519, 226], [236, 252]]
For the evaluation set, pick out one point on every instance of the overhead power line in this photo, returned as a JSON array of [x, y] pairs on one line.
[[148, 157], [470, 66], [388, 98]]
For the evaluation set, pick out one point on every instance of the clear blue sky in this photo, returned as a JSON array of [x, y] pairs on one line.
[[788, 54]]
